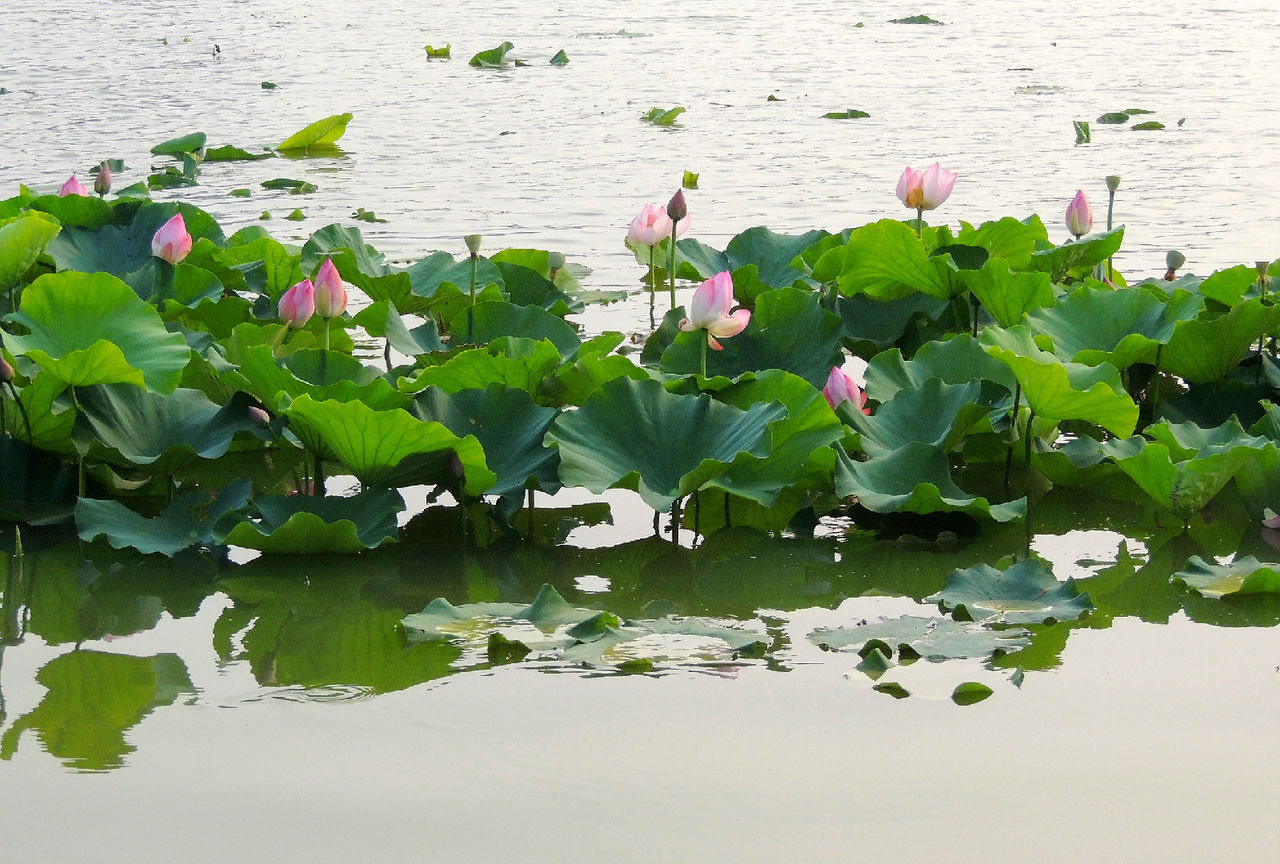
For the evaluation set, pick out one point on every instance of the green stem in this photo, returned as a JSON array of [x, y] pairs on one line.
[[475, 261], [1031, 415], [1155, 386], [326, 335], [675, 522], [1111, 205], [1013, 427], [704, 358], [920, 222], [671, 269], [318, 489]]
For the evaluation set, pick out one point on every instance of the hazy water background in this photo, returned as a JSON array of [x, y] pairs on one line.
[[1150, 743]]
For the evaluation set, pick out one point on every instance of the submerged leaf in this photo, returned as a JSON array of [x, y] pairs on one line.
[[1026, 593], [1242, 576]]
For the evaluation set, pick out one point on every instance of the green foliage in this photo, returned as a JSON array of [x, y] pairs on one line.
[[318, 137], [663, 116]]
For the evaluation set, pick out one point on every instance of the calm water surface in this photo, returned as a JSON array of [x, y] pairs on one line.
[[1147, 737]]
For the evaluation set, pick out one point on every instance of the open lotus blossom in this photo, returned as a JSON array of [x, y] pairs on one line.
[[1079, 216], [709, 310], [72, 187], [171, 240], [330, 295], [651, 227], [841, 387], [298, 304], [927, 189]]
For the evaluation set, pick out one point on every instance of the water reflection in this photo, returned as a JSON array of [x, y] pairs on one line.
[[329, 627]]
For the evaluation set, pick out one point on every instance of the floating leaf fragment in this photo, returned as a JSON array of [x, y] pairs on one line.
[[561, 58], [662, 116], [847, 114], [439, 53]]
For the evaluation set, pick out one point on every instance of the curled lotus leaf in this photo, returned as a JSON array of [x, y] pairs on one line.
[[21, 241], [307, 525], [1244, 575], [915, 478], [1025, 593]]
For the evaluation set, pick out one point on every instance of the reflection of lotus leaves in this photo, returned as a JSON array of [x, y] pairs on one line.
[[912, 636]]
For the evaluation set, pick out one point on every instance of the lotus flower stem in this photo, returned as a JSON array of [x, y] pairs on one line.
[[656, 530], [1155, 385], [22, 409], [653, 288], [1031, 415], [317, 489], [704, 358], [675, 522], [728, 517], [475, 260], [920, 222], [697, 516], [671, 269], [1013, 427], [530, 505]]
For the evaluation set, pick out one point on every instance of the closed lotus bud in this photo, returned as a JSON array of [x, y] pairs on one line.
[[1113, 182], [473, 243], [677, 209], [6, 371], [171, 240], [72, 187], [330, 295], [102, 183], [298, 304], [1079, 216], [259, 417]]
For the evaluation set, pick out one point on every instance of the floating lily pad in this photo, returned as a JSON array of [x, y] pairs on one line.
[[306, 525], [439, 53], [561, 58], [847, 114], [1148, 126], [1113, 117], [1243, 576], [230, 153], [690, 180], [663, 116], [1025, 593], [911, 637], [320, 136], [493, 58], [181, 145], [192, 519], [914, 19], [970, 693]]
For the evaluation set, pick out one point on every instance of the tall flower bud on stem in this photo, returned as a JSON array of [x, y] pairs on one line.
[[678, 213], [1113, 183], [473, 247], [102, 183]]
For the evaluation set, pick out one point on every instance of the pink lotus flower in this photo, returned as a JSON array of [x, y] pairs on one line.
[[1079, 216], [709, 310], [298, 304], [651, 227], [102, 183], [72, 187], [330, 295], [841, 387], [171, 240], [927, 189]]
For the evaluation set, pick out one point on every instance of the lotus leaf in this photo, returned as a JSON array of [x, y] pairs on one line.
[[1206, 349], [371, 443], [180, 146], [515, 362], [915, 478], [935, 413], [305, 525], [1025, 593], [489, 321], [1010, 239], [636, 435], [912, 636], [663, 116], [887, 261], [198, 518], [955, 361], [230, 153], [320, 135], [91, 328], [871, 325], [1078, 255], [494, 57], [21, 241], [1006, 295], [1242, 576]]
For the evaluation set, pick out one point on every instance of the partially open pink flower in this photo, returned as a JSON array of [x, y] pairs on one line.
[[298, 304], [1079, 216], [841, 387], [927, 189], [331, 295], [171, 240], [651, 227], [709, 310], [72, 187]]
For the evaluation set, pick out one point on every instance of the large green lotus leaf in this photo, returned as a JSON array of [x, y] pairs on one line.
[[789, 331], [1059, 390], [163, 433], [957, 360], [489, 321], [1229, 286], [1078, 461], [1204, 350], [306, 525], [887, 261], [881, 323], [1179, 475], [799, 452], [35, 487], [492, 58], [529, 286], [934, 413], [515, 362], [1077, 255], [695, 260], [363, 266], [1010, 239], [92, 699], [322, 375], [1120, 326], [372, 443], [636, 435], [51, 417], [122, 249], [1006, 295], [1242, 576], [91, 328], [21, 242], [912, 636], [320, 135], [1260, 487], [191, 519], [443, 620], [189, 143], [74, 211], [381, 320], [1025, 593], [439, 278], [265, 265], [639, 646], [537, 260], [578, 377], [771, 253], [508, 425], [915, 478]]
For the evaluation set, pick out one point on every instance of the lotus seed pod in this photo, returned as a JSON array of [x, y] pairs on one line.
[[473, 243], [1113, 182], [1261, 267], [555, 260], [1173, 259]]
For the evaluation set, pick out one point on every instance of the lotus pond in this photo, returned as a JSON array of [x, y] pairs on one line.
[[902, 532]]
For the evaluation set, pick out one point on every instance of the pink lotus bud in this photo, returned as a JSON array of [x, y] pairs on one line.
[[6, 371], [171, 241], [72, 187], [841, 387], [936, 186], [102, 183], [651, 227], [298, 304], [1079, 216], [331, 296], [259, 417], [709, 310], [677, 209]]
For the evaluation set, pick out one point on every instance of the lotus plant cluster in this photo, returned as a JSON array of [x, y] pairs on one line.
[[196, 358]]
